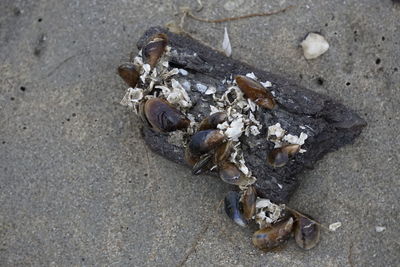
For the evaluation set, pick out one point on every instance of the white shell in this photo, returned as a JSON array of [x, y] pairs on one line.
[[334, 226], [226, 44], [314, 45]]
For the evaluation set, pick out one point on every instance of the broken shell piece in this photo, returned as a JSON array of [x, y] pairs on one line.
[[314, 45], [249, 202], [306, 231], [230, 173], [280, 156], [132, 97], [155, 48], [274, 235], [232, 208], [204, 141], [129, 73], [234, 130], [212, 121], [256, 92], [163, 117], [334, 226], [275, 133]]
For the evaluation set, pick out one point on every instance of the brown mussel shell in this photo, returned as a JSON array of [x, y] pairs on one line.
[[256, 92], [232, 208], [190, 158], [230, 173], [249, 198], [306, 232], [155, 48], [273, 236], [223, 152], [163, 117], [280, 156], [129, 73], [204, 141], [204, 164], [212, 121]]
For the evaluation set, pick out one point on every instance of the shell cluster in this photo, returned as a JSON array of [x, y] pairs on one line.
[[160, 96]]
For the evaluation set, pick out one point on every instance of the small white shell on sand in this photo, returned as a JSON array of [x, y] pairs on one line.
[[314, 45]]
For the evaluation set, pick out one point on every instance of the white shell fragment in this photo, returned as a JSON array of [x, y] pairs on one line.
[[183, 72], [251, 75], [213, 109], [334, 226], [211, 90], [380, 229], [276, 131], [235, 129], [132, 97], [266, 84], [293, 139], [263, 205], [226, 44], [314, 45], [201, 88], [178, 95], [254, 130]]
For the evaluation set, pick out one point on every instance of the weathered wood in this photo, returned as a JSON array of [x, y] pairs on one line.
[[329, 124]]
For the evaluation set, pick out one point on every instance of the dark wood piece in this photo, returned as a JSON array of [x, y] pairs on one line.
[[330, 125]]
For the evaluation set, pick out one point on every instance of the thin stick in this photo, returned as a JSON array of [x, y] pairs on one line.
[[190, 14], [302, 215]]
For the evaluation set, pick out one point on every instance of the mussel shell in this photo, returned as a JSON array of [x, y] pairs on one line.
[[223, 152], [204, 164], [255, 91], [280, 156], [232, 208], [204, 141], [268, 103], [155, 48], [273, 236], [190, 158], [129, 73], [249, 198], [212, 121], [163, 117], [306, 232], [230, 173]]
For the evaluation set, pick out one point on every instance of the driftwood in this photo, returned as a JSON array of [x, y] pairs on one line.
[[328, 124]]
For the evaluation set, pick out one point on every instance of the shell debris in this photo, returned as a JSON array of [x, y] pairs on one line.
[[334, 226]]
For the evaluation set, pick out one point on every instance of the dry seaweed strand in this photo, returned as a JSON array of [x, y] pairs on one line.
[[187, 12], [308, 218]]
